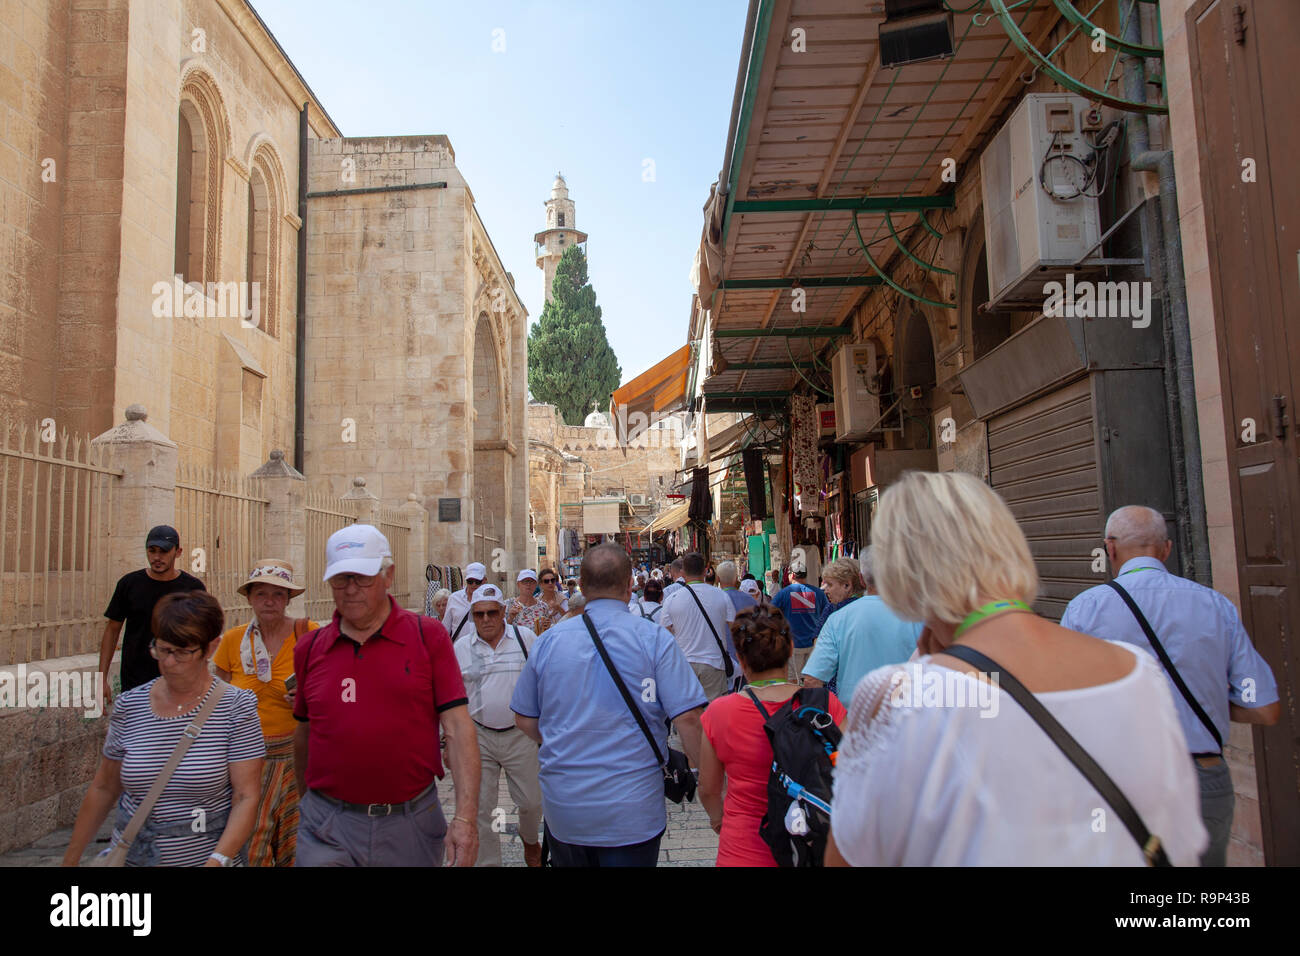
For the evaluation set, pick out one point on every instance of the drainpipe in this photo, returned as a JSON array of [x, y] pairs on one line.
[[1189, 482], [300, 350]]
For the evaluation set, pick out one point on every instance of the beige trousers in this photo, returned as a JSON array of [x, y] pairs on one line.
[[797, 662], [513, 752], [712, 679]]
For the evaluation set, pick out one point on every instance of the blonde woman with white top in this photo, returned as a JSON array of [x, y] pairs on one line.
[[941, 767]]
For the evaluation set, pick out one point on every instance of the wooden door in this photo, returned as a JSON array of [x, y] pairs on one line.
[[1242, 55]]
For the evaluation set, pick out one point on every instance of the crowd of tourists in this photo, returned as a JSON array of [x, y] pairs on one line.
[[911, 708]]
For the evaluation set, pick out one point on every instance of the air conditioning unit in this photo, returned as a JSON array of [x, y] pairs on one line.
[[857, 399], [636, 500], [1031, 237]]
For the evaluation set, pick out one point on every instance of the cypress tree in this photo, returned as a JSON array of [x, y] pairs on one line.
[[570, 363]]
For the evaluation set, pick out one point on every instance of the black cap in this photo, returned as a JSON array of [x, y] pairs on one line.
[[163, 536]]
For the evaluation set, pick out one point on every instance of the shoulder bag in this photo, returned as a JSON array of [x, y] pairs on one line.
[[116, 855], [726, 658], [679, 782], [1168, 664], [1152, 851]]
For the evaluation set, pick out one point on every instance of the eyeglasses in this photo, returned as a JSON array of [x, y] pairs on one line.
[[161, 653], [340, 582], [495, 612], [549, 580], [473, 582]]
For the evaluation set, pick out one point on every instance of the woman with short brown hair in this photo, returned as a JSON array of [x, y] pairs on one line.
[[204, 814]]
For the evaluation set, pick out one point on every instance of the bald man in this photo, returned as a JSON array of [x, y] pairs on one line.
[[1215, 674]]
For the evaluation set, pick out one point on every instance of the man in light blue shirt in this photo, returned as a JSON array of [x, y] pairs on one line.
[[1203, 636], [859, 637], [602, 791]]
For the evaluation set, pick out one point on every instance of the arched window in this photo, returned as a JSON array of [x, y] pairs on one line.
[[202, 144], [262, 252], [561, 220]]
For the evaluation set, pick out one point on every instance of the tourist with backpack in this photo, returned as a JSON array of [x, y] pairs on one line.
[[651, 601], [770, 721]]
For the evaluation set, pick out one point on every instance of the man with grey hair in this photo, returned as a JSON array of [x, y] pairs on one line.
[[675, 577], [729, 581], [1214, 672], [858, 638]]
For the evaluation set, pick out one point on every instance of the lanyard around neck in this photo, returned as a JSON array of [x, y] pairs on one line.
[[988, 610], [1145, 567]]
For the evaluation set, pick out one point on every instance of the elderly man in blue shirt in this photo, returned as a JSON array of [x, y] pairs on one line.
[[602, 788], [858, 638], [1214, 672]]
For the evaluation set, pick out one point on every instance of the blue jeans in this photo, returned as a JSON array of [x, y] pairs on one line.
[[1217, 805], [571, 854]]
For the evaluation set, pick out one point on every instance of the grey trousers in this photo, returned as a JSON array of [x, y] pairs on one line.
[[331, 836], [1217, 805]]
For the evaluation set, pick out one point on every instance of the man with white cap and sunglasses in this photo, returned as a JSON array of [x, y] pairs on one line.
[[457, 616], [492, 655], [377, 687]]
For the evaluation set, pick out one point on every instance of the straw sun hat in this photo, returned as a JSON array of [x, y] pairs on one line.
[[275, 572]]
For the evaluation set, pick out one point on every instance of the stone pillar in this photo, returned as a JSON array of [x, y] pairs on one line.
[[146, 494], [417, 551], [286, 520], [363, 501]]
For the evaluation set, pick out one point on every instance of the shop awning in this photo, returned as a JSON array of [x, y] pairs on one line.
[[669, 520], [661, 389]]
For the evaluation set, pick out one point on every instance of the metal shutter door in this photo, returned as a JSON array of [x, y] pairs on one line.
[[1043, 462]]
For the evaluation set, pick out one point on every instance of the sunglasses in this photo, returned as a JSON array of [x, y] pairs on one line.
[[340, 582], [549, 580], [495, 612], [473, 582]]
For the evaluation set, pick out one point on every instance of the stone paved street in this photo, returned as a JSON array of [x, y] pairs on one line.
[[688, 841]]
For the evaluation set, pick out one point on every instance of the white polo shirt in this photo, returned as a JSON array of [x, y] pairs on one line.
[[490, 674], [681, 616]]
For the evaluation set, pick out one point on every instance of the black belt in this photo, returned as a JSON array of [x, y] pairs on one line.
[[495, 730], [1207, 754], [376, 809]]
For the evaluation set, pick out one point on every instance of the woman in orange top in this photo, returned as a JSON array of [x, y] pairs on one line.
[[259, 657]]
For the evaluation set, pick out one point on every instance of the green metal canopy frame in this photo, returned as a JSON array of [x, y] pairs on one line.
[[1091, 32]]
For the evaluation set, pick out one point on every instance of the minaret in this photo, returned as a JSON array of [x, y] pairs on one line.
[[559, 233]]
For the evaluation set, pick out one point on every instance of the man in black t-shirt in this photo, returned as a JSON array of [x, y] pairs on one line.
[[133, 603]]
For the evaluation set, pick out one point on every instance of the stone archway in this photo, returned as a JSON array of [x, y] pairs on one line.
[[490, 486]]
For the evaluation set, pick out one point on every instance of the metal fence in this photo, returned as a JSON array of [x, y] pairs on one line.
[[54, 575], [221, 519], [326, 514], [396, 527]]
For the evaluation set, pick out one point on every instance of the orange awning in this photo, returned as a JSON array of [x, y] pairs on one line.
[[636, 405]]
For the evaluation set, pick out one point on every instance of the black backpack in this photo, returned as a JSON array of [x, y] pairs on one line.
[[804, 741]]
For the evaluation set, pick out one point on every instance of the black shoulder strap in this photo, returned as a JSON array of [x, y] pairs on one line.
[[520, 640], [640, 607], [460, 625], [622, 688], [1150, 844], [1164, 659], [726, 658], [757, 703]]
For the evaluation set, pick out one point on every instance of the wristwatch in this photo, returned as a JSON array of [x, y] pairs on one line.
[[221, 858]]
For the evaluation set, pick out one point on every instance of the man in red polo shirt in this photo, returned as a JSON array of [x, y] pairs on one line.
[[377, 687]]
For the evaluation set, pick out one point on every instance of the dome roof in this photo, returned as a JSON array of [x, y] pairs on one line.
[[559, 189], [596, 420]]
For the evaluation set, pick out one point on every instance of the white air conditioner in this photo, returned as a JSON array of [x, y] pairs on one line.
[[1031, 237], [637, 500], [857, 399]]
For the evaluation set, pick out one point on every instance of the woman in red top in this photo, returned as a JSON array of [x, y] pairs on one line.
[[735, 745]]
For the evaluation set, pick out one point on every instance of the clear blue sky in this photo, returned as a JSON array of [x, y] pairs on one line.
[[587, 88]]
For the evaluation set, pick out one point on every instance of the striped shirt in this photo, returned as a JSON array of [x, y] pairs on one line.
[[200, 788]]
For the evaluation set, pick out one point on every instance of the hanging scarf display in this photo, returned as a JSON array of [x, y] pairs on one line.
[[804, 431]]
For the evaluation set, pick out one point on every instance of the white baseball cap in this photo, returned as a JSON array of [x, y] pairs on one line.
[[488, 592], [356, 549], [476, 571], [525, 574], [749, 586]]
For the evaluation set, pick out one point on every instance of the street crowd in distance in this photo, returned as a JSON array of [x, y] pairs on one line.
[[907, 708]]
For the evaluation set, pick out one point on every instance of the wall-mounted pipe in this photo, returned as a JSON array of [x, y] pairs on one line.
[[1189, 480], [300, 345]]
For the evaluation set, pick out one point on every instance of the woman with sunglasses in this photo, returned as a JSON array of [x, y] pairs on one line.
[[206, 812], [549, 607]]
